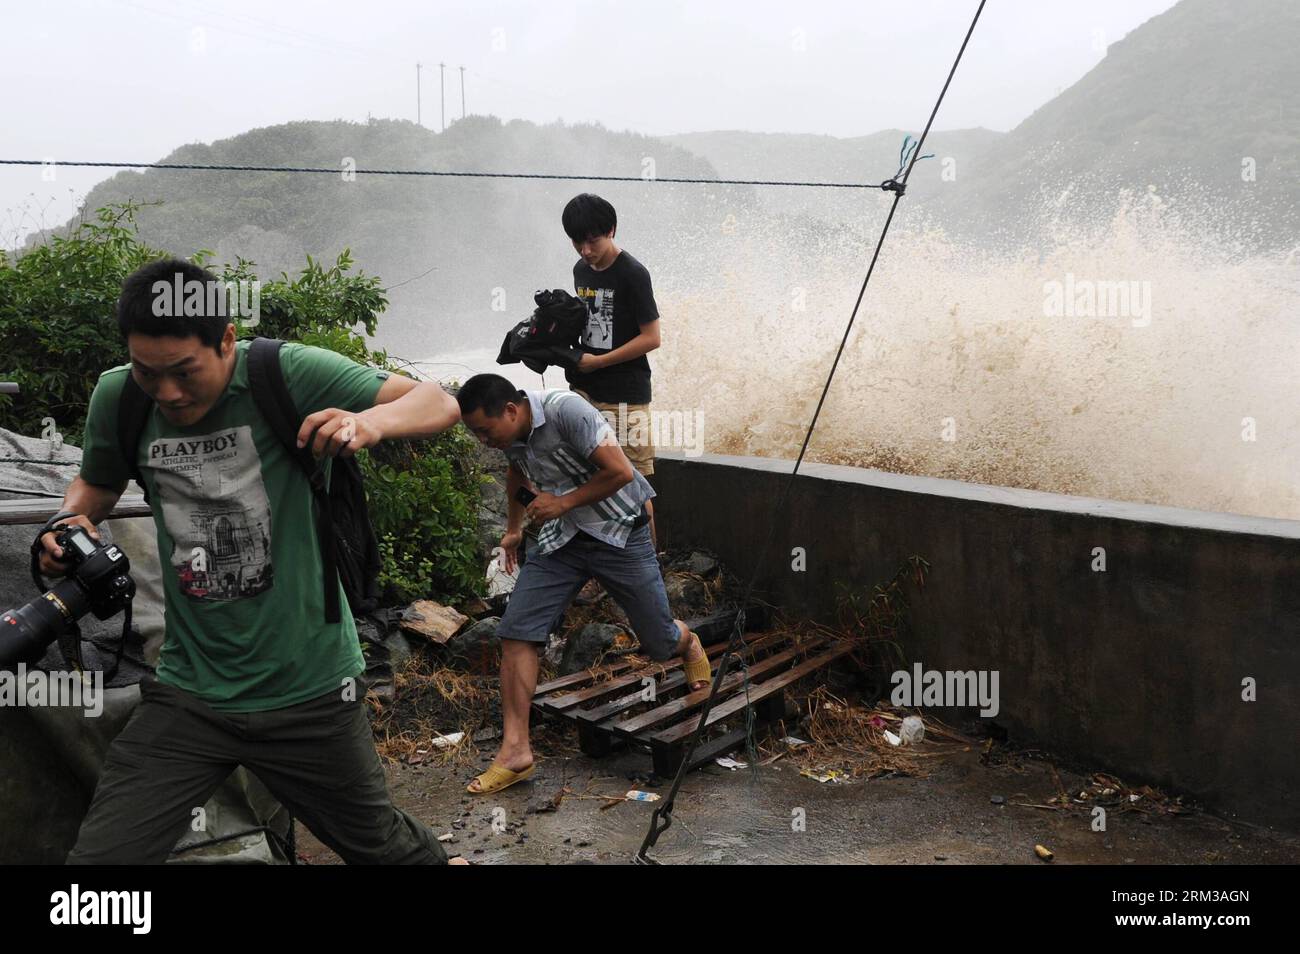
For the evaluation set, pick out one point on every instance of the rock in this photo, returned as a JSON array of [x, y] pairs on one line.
[[997, 799], [476, 608], [554, 652], [477, 649], [399, 650], [686, 595], [368, 631], [491, 528], [586, 645], [544, 805], [378, 677], [701, 564], [590, 594], [435, 622], [615, 614]]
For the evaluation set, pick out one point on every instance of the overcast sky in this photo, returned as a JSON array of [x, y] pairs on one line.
[[130, 80]]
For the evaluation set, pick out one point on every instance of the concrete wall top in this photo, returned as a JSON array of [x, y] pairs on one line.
[[1008, 496]]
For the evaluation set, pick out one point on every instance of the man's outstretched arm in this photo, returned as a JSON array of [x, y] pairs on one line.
[[403, 408]]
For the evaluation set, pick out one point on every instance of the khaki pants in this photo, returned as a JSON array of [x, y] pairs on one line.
[[631, 424]]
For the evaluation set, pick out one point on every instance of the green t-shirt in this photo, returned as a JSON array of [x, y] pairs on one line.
[[241, 566]]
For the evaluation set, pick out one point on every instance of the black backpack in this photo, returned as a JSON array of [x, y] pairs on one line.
[[349, 551]]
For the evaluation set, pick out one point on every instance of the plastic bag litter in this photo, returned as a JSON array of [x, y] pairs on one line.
[[498, 580]]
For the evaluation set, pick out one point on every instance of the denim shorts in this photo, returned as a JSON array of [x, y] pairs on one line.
[[548, 583]]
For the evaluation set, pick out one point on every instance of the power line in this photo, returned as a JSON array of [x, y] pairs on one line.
[[888, 184], [407, 281], [662, 816]]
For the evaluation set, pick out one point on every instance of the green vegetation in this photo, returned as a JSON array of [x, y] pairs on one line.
[[57, 334]]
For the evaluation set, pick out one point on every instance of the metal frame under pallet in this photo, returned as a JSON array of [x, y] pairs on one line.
[[608, 702]]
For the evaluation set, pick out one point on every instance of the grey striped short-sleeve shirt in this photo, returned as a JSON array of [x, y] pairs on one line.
[[555, 458]]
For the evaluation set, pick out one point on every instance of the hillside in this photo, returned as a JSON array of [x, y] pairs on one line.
[[1175, 107], [472, 236]]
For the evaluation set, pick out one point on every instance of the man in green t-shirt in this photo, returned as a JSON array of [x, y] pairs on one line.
[[251, 673]]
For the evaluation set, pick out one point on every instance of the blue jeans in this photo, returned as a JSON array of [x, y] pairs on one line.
[[549, 582]]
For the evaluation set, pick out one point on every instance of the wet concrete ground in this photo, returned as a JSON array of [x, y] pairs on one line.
[[725, 817]]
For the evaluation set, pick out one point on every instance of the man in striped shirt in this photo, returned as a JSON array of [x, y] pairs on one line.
[[590, 503]]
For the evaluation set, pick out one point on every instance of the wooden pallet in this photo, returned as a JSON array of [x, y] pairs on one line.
[[609, 706]]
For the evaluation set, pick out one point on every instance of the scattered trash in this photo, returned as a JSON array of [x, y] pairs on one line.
[[447, 837], [1111, 793], [794, 742], [1043, 853], [832, 775], [913, 730], [639, 796], [449, 740], [434, 701], [863, 741], [500, 582], [997, 799], [729, 763]]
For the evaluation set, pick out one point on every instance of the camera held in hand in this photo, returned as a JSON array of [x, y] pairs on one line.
[[98, 581]]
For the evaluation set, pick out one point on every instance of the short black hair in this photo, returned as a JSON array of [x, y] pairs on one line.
[[587, 216], [489, 392], [138, 311]]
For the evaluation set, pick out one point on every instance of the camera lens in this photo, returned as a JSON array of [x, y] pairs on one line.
[[27, 630]]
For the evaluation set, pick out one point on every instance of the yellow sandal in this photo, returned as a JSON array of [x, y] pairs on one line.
[[699, 670], [498, 777]]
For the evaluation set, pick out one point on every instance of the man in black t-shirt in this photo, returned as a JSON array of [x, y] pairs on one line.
[[622, 328]]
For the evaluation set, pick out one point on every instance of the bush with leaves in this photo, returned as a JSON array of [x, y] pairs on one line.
[[424, 507], [58, 333]]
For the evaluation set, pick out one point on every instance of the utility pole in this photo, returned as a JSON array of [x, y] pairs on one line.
[[442, 80], [462, 92], [417, 94]]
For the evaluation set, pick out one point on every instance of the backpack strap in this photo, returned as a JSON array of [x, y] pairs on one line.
[[133, 409], [273, 400]]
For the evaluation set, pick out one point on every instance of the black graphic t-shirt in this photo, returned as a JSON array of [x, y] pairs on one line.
[[619, 301]]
